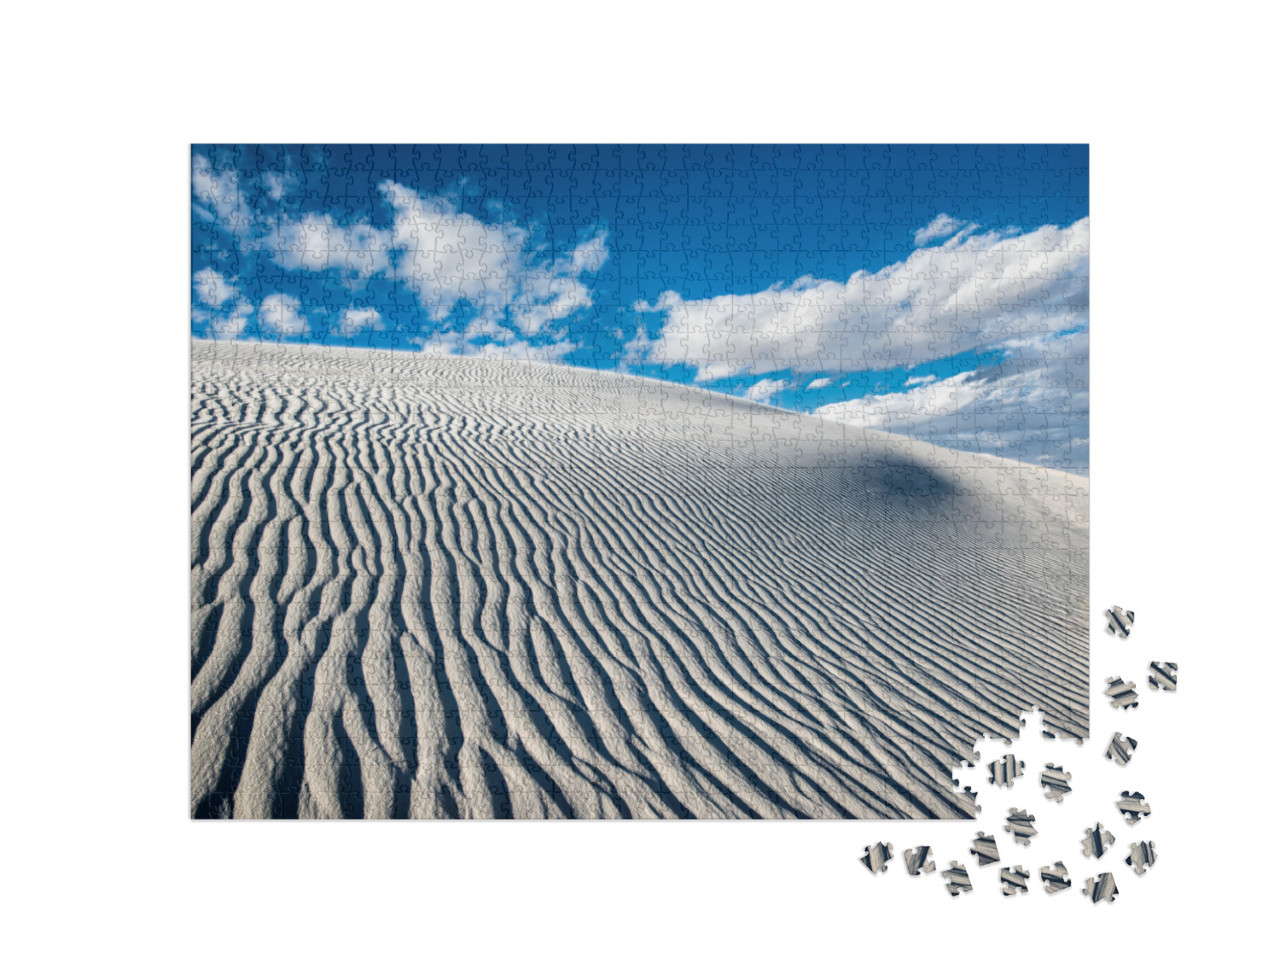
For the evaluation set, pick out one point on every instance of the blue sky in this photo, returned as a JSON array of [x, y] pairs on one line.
[[936, 291]]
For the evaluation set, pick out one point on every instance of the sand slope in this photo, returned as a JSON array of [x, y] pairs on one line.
[[459, 587]]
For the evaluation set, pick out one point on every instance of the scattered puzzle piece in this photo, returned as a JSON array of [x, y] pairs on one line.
[[957, 878], [1120, 751], [1019, 823], [1121, 693], [1101, 888], [1133, 806], [1096, 841], [1055, 782], [1055, 878], [1013, 881], [1164, 675], [984, 847], [1119, 621], [918, 861], [1005, 771], [877, 856], [1141, 856]]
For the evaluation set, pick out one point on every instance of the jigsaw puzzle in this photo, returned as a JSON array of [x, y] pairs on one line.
[[1020, 825], [1164, 675], [1101, 888], [1121, 693], [1013, 880], [1055, 782], [957, 878], [984, 847], [623, 481], [1141, 856], [1097, 841], [1133, 806], [877, 856], [1119, 621], [1055, 878], [918, 861], [1120, 749]]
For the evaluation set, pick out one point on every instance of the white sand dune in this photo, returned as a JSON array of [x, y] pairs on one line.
[[439, 587]]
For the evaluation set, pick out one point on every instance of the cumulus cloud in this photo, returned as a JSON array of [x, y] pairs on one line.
[[448, 257], [218, 196], [1032, 405], [967, 293], [944, 225], [212, 288], [818, 383], [281, 314], [764, 389], [318, 243], [355, 320]]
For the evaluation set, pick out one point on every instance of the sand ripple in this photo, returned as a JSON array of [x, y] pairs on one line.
[[438, 587]]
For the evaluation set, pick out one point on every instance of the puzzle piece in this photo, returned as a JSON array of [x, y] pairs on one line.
[[1020, 824], [1013, 881], [957, 878], [1133, 806], [1102, 887], [968, 794], [1055, 782], [984, 847], [918, 861], [1097, 841], [1005, 771], [1119, 621], [1141, 856], [1121, 693], [1120, 749], [1164, 675], [877, 857], [1055, 878]]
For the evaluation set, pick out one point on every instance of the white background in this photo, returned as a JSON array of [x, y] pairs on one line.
[[102, 105]]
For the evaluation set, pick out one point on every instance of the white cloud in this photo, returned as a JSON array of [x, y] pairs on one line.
[[973, 291], [944, 225], [921, 380], [281, 313], [818, 383], [764, 389], [212, 288], [225, 324], [355, 320], [218, 193], [448, 257], [1032, 406], [318, 243]]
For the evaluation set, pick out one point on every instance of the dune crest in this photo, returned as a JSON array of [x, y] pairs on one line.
[[434, 587]]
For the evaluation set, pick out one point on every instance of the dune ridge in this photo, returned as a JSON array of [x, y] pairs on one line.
[[436, 586]]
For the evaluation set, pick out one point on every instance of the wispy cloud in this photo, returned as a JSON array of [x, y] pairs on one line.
[[944, 225]]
